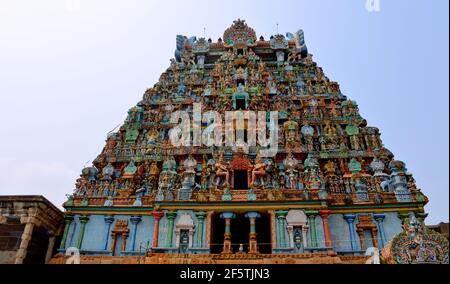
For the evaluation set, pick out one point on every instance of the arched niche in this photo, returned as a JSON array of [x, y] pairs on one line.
[[185, 223], [297, 219]]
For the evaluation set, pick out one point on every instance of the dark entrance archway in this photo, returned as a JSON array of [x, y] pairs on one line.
[[263, 231], [240, 230], [217, 232]]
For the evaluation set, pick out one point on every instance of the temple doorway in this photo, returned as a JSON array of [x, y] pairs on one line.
[[263, 231], [240, 230], [217, 232], [240, 180]]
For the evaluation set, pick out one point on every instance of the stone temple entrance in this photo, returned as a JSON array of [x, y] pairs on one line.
[[240, 228]]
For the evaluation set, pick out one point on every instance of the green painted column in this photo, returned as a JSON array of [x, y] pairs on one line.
[[171, 218], [312, 226], [281, 218], [68, 220], [83, 221], [200, 223]]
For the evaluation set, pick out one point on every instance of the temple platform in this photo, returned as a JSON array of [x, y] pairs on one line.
[[160, 258]]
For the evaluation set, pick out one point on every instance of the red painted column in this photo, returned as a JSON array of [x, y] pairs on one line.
[[326, 228], [157, 215]]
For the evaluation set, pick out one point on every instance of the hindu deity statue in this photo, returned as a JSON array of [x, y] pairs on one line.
[[330, 135], [350, 109], [90, 174], [353, 133], [222, 173], [187, 58], [130, 170], [108, 172], [259, 171], [330, 168], [335, 107], [252, 57], [313, 179], [190, 165], [167, 179], [111, 143], [291, 165], [208, 172], [308, 134], [272, 86], [153, 137], [81, 186], [290, 132]]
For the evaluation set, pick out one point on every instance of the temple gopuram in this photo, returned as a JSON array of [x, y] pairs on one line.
[[329, 192]]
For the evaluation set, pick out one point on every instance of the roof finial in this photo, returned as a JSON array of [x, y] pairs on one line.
[[204, 32], [277, 28]]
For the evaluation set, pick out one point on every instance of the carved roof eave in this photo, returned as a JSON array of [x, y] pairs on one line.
[[241, 45]]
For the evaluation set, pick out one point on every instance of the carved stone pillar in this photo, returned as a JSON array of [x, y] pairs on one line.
[[326, 227], [51, 244], [157, 215], [227, 236], [30, 222], [253, 241]]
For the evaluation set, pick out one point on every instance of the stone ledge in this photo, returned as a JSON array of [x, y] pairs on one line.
[[316, 258]]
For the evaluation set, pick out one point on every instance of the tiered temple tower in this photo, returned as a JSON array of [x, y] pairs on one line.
[[331, 188]]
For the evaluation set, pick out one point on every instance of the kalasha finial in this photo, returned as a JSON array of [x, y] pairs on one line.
[[239, 23]]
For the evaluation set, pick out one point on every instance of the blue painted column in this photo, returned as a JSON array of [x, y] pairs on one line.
[[135, 220], [108, 221], [379, 218], [350, 218]]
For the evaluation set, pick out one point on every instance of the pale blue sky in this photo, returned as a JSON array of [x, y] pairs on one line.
[[67, 77]]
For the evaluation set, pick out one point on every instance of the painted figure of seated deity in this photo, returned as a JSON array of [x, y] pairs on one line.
[[130, 170]]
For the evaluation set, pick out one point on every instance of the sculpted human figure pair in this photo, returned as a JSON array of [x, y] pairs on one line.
[[222, 172]]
